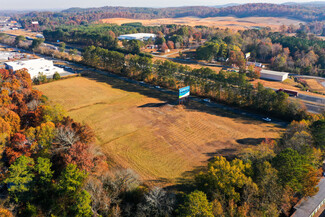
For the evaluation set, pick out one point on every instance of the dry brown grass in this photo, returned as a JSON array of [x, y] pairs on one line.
[[23, 32], [221, 22], [315, 85], [286, 85], [191, 65], [137, 130]]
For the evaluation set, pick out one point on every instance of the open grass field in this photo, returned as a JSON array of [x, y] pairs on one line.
[[22, 32], [221, 22], [315, 85], [137, 129], [191, 65]]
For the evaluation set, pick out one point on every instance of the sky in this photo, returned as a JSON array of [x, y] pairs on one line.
[[63, 4]]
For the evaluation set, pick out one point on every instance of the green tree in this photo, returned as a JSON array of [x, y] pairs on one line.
[[56, 76], [133, 46], [318, 132], [40, 79], [73, 51], [266, 178], [73, 200], [178, 41], [37, 43], [160, 40], [208, 51], [293, 169], [196, 205], [226, 178], [62, 47], [20, 179], [42, 190], [140, 65], [43, 170], [19, 38], [53, 114]]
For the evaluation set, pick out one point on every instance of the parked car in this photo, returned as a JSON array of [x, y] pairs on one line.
[[267, 119], [158, 87], [207, 100]]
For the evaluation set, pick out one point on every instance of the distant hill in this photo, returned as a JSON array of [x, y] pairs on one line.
[[307, 4], [77, 16], [294, 10], [226, 5]]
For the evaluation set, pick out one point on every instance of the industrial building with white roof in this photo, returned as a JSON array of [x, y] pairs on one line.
[[274, 75], [35, 66], [137, 36]]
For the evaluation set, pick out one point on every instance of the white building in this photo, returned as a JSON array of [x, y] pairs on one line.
[[39, 36], [273, 75], [35, 66], [137, 36], [255, 64]]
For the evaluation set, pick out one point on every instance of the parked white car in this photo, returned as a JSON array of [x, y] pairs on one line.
[[267, 119]]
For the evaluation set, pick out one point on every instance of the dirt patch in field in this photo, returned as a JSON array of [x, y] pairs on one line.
[[221, 22], [143, 129]]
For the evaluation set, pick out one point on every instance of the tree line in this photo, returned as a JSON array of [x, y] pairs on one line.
[[228, 87]]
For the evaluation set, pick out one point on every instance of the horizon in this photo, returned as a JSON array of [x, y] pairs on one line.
[[35, 4]]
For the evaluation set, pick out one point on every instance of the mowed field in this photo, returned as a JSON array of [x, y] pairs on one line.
[[221, 22], [137, 129]]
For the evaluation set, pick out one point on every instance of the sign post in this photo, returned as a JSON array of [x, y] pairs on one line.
[[183, 94]]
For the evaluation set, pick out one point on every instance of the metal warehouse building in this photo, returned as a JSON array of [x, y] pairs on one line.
[[35, 66], [273, 75], [137, 36]]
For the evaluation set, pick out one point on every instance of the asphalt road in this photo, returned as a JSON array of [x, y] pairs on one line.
[[315, 99], [314, 108]]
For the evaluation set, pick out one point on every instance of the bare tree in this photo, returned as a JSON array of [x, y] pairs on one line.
[[157, 203], [106, 191], [100, 201], [66, 137], [32, 105]]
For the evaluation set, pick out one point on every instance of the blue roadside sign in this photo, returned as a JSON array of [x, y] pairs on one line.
[[184, 92]]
